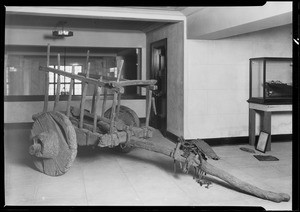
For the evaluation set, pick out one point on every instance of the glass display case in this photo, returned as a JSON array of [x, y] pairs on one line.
[[271, 80]]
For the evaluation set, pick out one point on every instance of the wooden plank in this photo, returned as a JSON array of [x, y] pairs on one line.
[[46, 99], [82, 104], [148, 105], [105, 78], [70, 93], [133, 82], [58, 85], [108, 85]]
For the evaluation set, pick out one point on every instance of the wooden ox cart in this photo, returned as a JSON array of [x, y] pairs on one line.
[[56, 134]]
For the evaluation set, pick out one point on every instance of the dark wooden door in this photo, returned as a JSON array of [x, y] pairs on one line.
[[159, 72]]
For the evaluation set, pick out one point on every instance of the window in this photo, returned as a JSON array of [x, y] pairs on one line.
[[65, 81], [114, 70]]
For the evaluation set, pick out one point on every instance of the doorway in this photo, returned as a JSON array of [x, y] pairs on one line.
[[158, 71]]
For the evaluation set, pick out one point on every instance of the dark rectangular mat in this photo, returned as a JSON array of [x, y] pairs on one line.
[[265, 158]]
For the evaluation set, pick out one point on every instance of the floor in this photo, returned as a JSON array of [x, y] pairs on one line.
[[142, 178]]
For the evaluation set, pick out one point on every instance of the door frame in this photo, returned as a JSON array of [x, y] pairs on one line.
[[153, 45]]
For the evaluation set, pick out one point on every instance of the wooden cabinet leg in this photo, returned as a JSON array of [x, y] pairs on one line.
[[251, 127], [267, 127]]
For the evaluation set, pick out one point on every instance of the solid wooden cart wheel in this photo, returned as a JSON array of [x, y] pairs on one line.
[[130, 118], [54, 145]]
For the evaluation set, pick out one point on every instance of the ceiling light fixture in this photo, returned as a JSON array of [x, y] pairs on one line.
[[60, 31]]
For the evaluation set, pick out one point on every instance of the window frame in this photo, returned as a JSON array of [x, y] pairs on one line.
[[64, 83]]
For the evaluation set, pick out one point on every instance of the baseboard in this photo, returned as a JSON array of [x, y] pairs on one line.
[[245, 140], [174, 138], [233, 140]]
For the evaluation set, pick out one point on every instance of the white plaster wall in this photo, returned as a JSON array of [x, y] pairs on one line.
[[217, 81], [175, 69], [20, 112]]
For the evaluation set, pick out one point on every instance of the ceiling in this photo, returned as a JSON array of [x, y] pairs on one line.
[[90, 23], [77, 23]]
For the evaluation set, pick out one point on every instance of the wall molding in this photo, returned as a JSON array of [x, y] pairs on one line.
[[38, 98]]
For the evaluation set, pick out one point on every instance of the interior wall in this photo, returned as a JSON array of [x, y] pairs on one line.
[[82, 38], [218, 83], [21, 112], [175, 57]]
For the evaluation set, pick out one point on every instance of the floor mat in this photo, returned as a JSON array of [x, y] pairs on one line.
[[265, 158]]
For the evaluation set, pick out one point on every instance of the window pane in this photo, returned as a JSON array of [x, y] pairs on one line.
[[68, 69], [51, 89], [51, 77], [78, 69], [67, 79], [62, 79], [77, 89], [65, 89]]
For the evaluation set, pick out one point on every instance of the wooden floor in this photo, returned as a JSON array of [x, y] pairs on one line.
[[143, 178]]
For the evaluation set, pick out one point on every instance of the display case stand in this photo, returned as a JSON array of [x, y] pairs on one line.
[[267, 111]]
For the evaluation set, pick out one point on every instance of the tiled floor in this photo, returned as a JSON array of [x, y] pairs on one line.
[[106, 177]]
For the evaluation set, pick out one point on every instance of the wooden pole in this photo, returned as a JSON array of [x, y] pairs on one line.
[[148, 105], [104, 101], [120, 70], [58, 85], [70, 92], [113, 112], [94, 98], [239, 184], [119, 94], [118, 106], [47, 81], [95, 112], [82, 104], [211, 170]]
